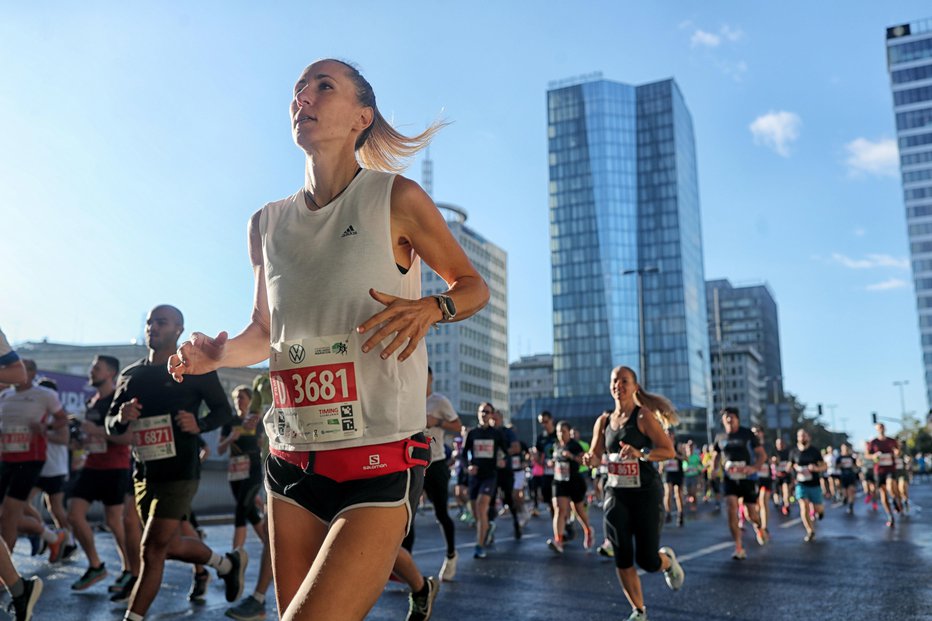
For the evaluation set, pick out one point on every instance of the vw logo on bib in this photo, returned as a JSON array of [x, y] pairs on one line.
[[296, 353]]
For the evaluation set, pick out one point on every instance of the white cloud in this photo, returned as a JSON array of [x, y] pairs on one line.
[[879, 158], [701, 38], [871, 261], [776, 130], [732, 34], [886, 285], [734, 70]]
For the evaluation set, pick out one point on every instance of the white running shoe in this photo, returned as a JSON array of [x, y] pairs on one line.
[[674, 575], [638, 615], [555, 545], [448, 569]]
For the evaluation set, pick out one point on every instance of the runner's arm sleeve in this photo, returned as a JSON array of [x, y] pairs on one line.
[[219, 410], [112, 422]]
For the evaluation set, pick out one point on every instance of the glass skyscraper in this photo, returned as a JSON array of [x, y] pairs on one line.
[[909, 61], [624, 196]]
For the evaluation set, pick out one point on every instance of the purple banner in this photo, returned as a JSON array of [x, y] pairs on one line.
[[73, 390]]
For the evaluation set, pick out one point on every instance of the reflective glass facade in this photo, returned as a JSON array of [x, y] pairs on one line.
[[909, 61], [624, 196]]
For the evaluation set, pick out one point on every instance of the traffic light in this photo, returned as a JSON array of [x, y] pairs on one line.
[[874, 417], [820, 410]]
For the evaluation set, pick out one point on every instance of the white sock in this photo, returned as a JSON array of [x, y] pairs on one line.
[[49, 536], [221, 563], [70, 540], [132, 616], [259, 597]]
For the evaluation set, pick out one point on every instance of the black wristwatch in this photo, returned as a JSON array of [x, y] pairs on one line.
[[447, 307]]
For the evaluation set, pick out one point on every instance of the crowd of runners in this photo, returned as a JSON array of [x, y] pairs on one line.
[[330, 473]]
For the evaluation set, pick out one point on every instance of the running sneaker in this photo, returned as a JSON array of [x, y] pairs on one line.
[[489, 535], [569, 532], [518, 532], [638, 615], [120, 582], [680, 520], [38, 545], [606, 550], [92, 576], [555, 545], [810, 537], [57, 547], [249, 609], [123, 594], [448, 569], [668, 518], [674, 575], [850, 509], [587, 540], [198, 592], [762, 536], [479, 552], [233, 579], [739, 555], [421, 606], [891, 523], [21, 607], [68, 551], [821, 515]]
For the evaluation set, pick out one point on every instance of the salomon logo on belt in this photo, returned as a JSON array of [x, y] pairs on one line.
[[375, 462]]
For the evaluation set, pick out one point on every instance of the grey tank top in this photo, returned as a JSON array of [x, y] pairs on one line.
[[319, 267]]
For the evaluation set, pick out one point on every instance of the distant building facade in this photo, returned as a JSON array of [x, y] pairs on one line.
[[529, 379], [909, 61], [470, 358]]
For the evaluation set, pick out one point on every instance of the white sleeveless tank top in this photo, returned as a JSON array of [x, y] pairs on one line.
[[319, 267]]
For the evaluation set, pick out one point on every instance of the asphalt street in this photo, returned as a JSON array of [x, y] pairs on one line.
[[856, 569]]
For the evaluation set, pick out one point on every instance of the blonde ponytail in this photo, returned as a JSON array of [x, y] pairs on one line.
[[380, 146], [661, 407]]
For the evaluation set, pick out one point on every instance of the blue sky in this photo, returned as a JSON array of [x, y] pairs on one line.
[[137, 141]]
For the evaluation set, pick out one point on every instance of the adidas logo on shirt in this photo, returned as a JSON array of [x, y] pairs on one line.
[[349, 231]]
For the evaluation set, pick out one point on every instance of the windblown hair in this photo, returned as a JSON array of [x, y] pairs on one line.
[[380, 146], [661, 406]]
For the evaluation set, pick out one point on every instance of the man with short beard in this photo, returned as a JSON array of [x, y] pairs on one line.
[[808, 464], [161, 416], [105, 477]]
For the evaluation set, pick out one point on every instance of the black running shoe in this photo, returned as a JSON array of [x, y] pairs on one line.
[[198, 592], [125, 591], [233, 579], [421, 607], [21, 607]]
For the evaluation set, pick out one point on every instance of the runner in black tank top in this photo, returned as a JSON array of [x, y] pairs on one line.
[[632, 437]]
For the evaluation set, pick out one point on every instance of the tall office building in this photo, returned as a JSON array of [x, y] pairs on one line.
[[909, 61], [530, 378], [624, 198], [470, 358], [741, 318]]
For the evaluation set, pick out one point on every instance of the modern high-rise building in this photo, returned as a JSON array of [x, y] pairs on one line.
[[530, 378], [736, 381], [470, 358], [624, 218], [740, 318], [909, 61]]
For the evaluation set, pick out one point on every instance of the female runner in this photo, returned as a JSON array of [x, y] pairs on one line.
[[338, 311]]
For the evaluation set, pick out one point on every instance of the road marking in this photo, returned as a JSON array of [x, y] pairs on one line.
[[464, 546], [792, 522], [698, 553]]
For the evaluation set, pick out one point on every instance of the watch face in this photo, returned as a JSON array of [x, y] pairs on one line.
[[450, 306]]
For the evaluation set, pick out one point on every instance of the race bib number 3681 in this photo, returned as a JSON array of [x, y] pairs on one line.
[[314, 391]]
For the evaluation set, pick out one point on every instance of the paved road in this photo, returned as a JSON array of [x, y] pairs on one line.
[[856, 569]]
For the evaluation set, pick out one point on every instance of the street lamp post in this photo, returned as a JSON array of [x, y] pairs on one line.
[[776, 405], [642, 341], [708, 396], [900, 384]]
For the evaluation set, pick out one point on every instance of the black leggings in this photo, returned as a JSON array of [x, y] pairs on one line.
[[635, 514], [437, 489], [245, 493], [506, 483]]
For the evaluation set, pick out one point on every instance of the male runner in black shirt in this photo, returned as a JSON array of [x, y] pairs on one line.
[[161, 414], [742, 455]]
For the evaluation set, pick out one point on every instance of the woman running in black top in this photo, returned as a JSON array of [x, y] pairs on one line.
[[633, 435]]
